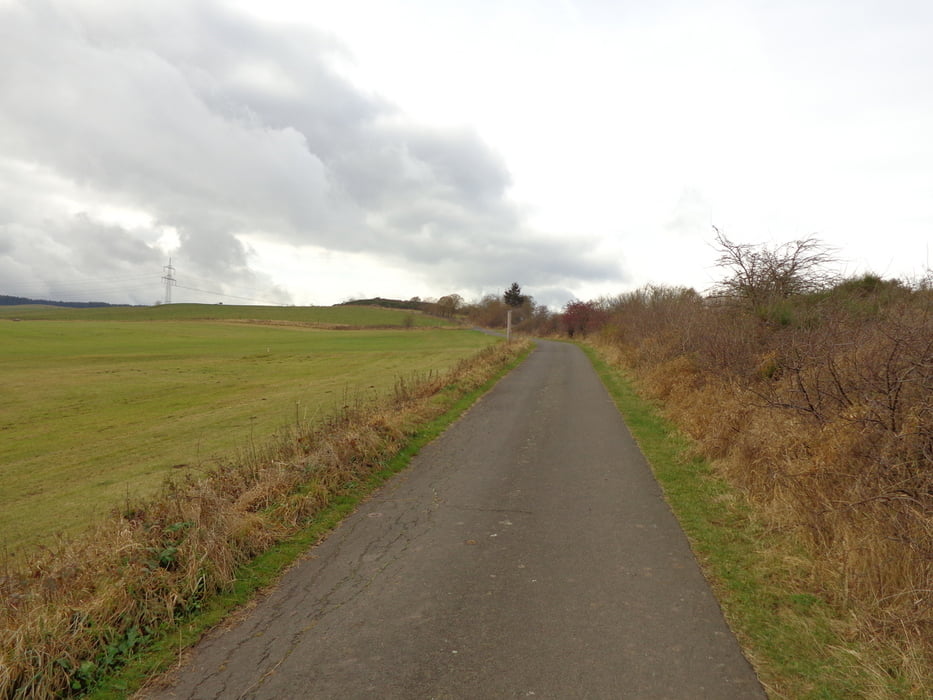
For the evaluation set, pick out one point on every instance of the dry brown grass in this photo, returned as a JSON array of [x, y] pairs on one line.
[[76, 609], [825, 420]]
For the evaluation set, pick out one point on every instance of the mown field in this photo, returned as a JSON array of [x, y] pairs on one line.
[[100, 405], [349, 316]]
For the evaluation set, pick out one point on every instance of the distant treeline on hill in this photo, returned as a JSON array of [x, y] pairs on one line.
[[22, 301], [413, 304]]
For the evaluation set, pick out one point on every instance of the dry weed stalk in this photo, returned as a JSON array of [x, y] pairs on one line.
[[76, 610], [825, 419]]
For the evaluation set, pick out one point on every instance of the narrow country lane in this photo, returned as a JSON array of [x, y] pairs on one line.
[[525, 553]]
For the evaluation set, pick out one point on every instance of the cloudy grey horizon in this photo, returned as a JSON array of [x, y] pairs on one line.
[[284, 152]]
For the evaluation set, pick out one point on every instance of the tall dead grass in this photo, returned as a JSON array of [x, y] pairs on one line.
[[822, 412], [77, 609]]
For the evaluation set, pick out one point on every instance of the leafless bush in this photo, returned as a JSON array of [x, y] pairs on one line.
[[825, 421], [761, 275]]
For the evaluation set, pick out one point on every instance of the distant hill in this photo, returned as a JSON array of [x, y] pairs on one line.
[[412, 304], [333, 317], [6, 300]]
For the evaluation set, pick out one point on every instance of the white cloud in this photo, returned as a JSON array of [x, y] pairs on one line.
[[576, 147], [187, 117]]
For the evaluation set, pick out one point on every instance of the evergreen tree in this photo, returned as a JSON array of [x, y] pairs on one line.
[[513, 296]]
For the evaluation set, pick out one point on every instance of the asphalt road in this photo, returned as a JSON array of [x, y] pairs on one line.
[[525, 553]]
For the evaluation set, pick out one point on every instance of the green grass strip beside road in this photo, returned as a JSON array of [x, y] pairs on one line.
[[265, 569], [793, 638]]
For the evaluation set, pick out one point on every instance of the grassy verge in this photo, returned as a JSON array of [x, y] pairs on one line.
[[103, 613], [800, 646], [268, 566]]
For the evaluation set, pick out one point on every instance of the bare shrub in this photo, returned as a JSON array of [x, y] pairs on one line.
[[580, 318], [825, 421], [763, 275], [488, 312]]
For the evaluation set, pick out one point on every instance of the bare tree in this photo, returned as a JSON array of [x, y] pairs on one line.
[[761, 274], [449, 305]]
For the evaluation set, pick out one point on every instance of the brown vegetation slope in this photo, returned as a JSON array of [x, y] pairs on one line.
[[820, 407]]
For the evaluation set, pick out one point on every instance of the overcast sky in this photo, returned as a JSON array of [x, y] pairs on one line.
[[311, 152]]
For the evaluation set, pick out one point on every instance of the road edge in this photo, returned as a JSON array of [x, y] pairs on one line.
[[262, 573]]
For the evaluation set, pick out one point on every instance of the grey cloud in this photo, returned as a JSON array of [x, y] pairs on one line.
[[106, 247], [81, 259], [551, 264], [553, 297], [220, 127], [77, 260], [213, 250]]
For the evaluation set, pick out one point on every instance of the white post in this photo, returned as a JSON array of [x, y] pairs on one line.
[[508, 327]]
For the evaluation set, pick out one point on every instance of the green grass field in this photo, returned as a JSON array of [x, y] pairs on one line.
[[353, 316], [95, 411]]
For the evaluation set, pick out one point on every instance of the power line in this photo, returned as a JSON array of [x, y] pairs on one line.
[[230, 296], [81, 290], [207, 291], [169, 279]]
